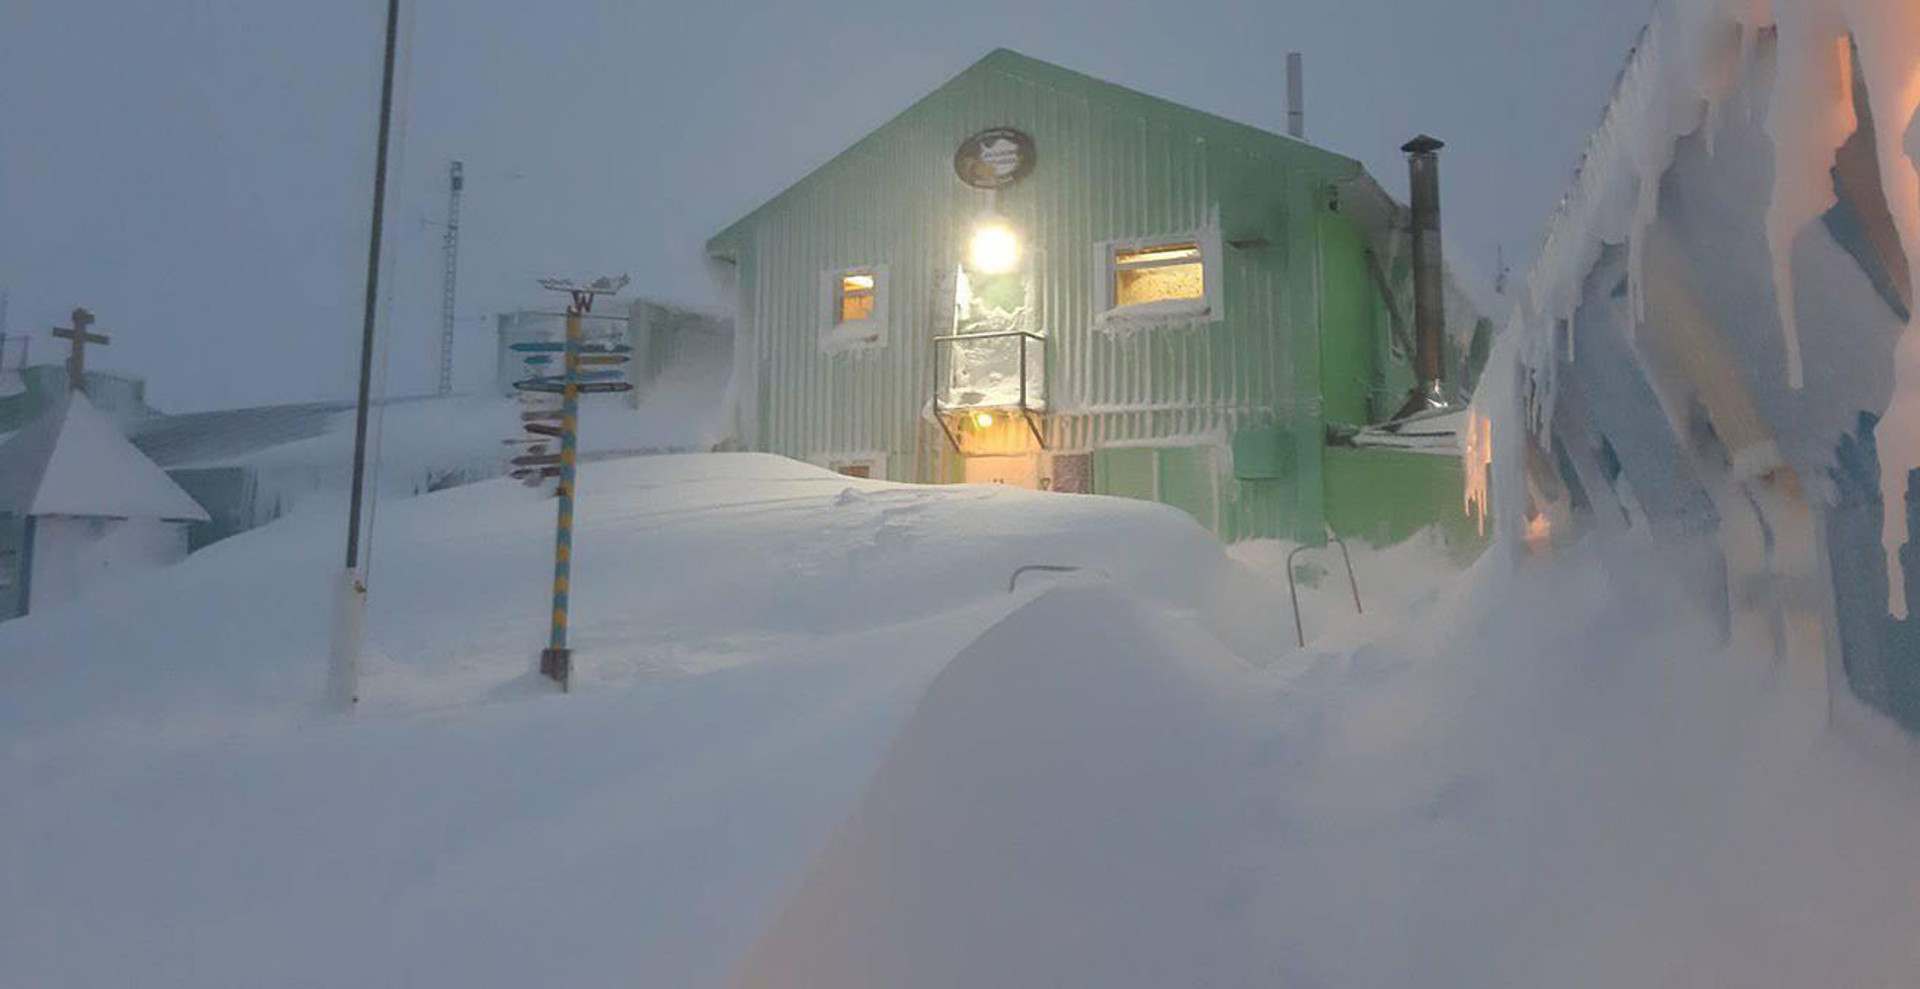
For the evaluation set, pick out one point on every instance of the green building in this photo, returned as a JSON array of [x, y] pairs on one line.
[[1034, 277]]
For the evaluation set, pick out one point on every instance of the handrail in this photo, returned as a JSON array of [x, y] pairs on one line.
[[1299, 630], [1014, 581]]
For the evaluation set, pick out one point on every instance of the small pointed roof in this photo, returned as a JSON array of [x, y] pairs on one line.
[[74, 461]]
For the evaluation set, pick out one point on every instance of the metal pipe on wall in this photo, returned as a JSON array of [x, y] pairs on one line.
[[1296, 96], [1429, 276]]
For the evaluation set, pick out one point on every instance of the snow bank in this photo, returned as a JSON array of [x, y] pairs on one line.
[[422, 445], [1392, 580], [1550, 778], [426, 444], [750, 633], [1059, 812]]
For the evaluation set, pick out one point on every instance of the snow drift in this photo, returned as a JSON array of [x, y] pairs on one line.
[[1549, 777], [750, 633], [1059, 812]]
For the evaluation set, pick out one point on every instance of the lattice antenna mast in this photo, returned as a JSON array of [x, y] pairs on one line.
[[450, 248]]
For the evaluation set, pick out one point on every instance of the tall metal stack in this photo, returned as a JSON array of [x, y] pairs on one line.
[[1429, 278], [450, 251]]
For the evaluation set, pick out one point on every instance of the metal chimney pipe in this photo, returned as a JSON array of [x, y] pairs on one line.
[[1429, 286], [1296, 96]]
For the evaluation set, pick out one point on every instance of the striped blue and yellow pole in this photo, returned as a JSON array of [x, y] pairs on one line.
[[557, 661]]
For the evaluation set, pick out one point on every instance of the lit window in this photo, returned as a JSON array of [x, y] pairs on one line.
[[869, 466], [857, 295], [1160, 273], [853, 308]]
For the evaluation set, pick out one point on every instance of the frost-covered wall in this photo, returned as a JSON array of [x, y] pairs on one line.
[[1220, 405], [1718, 338]]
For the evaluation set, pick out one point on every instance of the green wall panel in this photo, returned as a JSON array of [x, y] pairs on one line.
[[1126, 473], [1263, 453], [1382, 497], [1349, 326], [1190, 481]]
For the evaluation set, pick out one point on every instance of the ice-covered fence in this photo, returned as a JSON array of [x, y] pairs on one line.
[[1718, 337]]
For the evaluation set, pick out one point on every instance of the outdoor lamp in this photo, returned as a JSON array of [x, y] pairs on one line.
[[995, 249]]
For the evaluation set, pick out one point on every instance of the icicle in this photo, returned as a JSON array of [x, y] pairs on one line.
[[1811, 117], [1477, 456]]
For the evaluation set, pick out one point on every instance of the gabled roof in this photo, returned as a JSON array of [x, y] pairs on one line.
[[1008, 62], [74, 461]]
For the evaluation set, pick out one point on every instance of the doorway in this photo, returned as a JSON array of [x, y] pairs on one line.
[[1017, 470]]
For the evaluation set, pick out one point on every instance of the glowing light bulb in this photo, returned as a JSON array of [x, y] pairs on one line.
[[984, 420], [995, 249]]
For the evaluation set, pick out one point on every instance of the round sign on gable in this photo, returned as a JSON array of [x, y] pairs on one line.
[[994, 159]]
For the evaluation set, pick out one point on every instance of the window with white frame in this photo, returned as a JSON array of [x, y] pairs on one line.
[[853, 311], [1161, 279]]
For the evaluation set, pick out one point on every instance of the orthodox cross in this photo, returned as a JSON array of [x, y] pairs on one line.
[[78, 338]]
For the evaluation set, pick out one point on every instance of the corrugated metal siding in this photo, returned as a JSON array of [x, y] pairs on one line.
[[1112, 165]]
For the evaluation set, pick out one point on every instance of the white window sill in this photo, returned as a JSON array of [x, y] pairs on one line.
[[848, 337], [1153, 313]]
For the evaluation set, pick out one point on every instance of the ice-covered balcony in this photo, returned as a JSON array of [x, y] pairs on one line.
[[1001, 372]]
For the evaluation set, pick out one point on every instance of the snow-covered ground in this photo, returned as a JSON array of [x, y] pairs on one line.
[[815, 741], [1550, 777], [750, 634]]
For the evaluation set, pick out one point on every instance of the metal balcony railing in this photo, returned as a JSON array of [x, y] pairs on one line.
[[1001, 371]]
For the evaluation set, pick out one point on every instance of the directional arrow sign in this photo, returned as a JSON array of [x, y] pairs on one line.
[[542, 429], [593, 359], [541, 415], [560, 346], [536, 460], [604, 386], [548, 382], [537, 359], [533, 475]]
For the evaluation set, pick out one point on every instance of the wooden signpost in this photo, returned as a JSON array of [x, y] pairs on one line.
[[556, 661]]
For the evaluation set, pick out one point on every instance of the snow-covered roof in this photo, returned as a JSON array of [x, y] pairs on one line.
[[1426, 434], [74, 461], [200, 439]]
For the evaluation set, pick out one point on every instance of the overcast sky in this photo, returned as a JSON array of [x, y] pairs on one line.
[[197, 171]]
